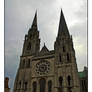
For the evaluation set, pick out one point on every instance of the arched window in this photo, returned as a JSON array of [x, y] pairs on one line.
[[60, 81], [34, 86], [23, 63], [68, 57], [25, 85], [63, 49], [69, 83], [69, 80], [60, 59], [28, 63], [20, 85], [42, 85], [29, 46], [50, 86]]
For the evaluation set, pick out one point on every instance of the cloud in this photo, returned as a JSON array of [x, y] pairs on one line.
[[79, 31]]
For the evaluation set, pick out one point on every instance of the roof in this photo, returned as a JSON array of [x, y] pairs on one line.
[[44, 49], [82, 74]]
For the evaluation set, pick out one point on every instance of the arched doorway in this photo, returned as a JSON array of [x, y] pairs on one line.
[[42, 85], [60, 84], [34, 86]]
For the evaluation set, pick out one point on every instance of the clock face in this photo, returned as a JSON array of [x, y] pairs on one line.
[[42, 67]]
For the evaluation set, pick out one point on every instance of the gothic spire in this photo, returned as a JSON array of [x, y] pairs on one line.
[[34, 24], [63, 30]]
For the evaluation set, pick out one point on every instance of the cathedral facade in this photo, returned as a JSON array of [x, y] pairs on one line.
[[44, 70]]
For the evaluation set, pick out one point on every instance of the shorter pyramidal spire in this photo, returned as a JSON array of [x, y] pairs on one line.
[[63, 29], [34, 24]]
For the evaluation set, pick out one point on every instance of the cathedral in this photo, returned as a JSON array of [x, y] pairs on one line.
[[48, 70]]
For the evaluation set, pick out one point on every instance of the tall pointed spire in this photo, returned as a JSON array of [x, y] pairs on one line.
[[63, 30], [34, 24]]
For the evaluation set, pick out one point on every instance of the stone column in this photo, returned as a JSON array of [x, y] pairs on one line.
[[38, 86], [46, 86]]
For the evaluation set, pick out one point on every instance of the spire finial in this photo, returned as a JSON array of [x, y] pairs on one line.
[[44, 43], [63, 30], [36, 12], [34, 24]]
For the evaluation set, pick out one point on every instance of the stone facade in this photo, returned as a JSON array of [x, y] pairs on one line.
[[44, 70]]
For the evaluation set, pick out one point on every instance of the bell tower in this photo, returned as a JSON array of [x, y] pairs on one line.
[[65, 62], [63, 45], [32, 42]]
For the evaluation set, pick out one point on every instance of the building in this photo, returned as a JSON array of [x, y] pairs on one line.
[[44, 70], [83, 75], [6, 87]]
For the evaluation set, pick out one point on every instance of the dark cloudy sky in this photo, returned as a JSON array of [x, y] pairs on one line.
[[18, 19]]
